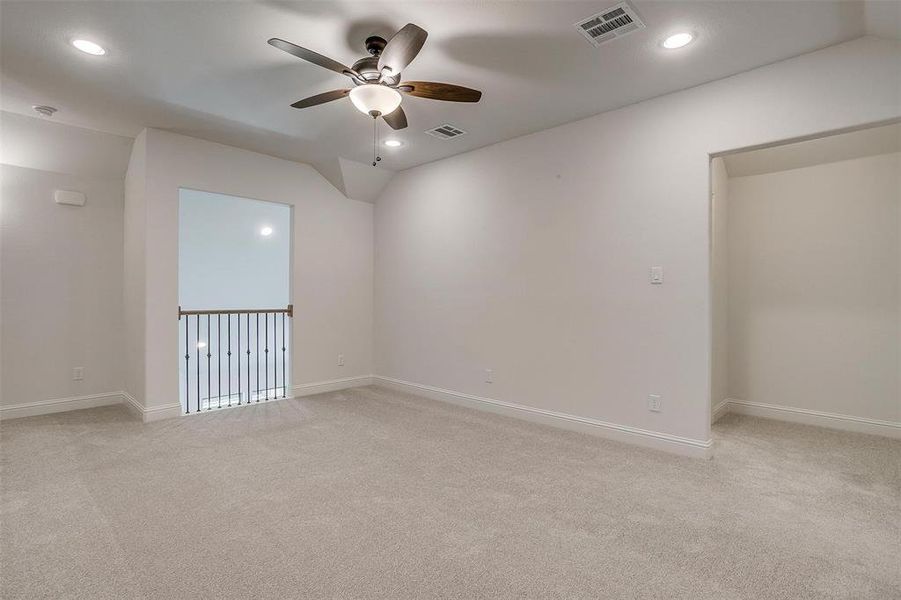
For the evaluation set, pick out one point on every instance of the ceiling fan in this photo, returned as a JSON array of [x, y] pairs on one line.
[[377, 77]]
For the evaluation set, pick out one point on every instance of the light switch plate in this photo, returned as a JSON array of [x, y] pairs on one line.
[[656, 275]]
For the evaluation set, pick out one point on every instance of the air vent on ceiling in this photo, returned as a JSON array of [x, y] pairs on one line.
[[615, 22], [445, 132]]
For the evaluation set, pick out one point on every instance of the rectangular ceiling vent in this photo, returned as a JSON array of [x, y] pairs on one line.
[[608, 25], [445, 132]]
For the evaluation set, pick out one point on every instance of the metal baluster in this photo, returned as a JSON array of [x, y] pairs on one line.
[[256, 331], [248, 358], [197, 344], [238, 355], [229, 317], [187, 371], [284, 372], [275, 358], [219, 359], [266, 362], [209, 346]]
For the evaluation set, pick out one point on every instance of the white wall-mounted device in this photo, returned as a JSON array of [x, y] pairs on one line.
[[67, 197]]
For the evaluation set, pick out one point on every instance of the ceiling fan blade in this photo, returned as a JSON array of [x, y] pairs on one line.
[[313, 57], [402, 48], [396, 119], [440, 91], [321, 98]]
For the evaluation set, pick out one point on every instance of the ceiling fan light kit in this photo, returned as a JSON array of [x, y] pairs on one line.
[[377, 78], [374, 99]]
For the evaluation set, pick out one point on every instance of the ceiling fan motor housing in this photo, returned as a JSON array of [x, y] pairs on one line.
[[368, 67]]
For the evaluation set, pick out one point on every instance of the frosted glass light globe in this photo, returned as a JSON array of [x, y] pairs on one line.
[[372, 97]]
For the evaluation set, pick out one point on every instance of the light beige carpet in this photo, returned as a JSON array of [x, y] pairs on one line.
[[374, 494]]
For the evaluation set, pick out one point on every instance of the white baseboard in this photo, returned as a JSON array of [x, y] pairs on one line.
[[806, 416], [154, 413], [622, 433], [157, 413], [132, 404], [45, 407], [719, 410], [168, 411], [332, 385]]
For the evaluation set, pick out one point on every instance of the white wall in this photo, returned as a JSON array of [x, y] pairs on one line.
[[134, 259], [62, 288], [814, 275], [531, 257], [332, 263], [719, 271]]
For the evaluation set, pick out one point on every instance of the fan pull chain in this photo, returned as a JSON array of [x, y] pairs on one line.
[[375, 140]]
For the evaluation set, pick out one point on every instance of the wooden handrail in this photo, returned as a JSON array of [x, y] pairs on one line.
[[238, 311]]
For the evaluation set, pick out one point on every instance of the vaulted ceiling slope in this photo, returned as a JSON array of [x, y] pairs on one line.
[[204, 68], [34, 143], [849, 145]]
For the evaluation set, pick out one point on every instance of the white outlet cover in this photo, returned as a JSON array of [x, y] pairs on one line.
[[489, 376], [655, 404]]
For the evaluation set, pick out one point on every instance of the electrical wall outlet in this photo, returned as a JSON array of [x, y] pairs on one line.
[[340, 360], [655, 403], [656, 275], [78, 374], [489, 376]]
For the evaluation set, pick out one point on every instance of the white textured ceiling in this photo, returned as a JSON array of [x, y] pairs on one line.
[[205, 69], [833, 148]]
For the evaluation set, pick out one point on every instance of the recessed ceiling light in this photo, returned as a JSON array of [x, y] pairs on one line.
[[394, 143], [266, 231], [677, 40], [89, 47]]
